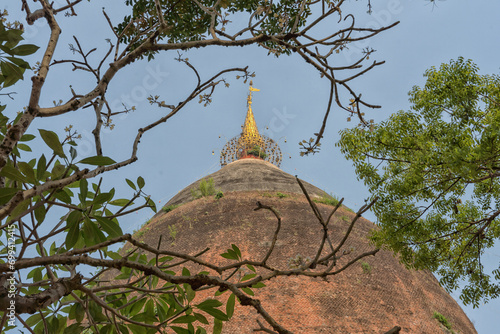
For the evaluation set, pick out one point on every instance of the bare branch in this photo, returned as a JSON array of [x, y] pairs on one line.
[[278, 227]]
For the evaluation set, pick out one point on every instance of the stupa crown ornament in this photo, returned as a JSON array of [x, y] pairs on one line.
[[250, 143]]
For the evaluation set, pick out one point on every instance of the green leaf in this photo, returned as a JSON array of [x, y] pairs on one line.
[[20, 209], [97, 161], [11, 73], [27, 137], [131, 184], [231, 254], [248, 291], [149, 309], [57, 172], [151, 204], [209, 303], [23, 147], [52, 140], [19, 62], [73, 153], [230, 305], [120, 202], [73, 329], [75, 184], [36, 274], [83, 190], [137, 306], [27, 170], [258, 285], [185, 272], [33, 320], [40, 213], [122, 276], [3, 48], [18, 117], [12, 173], [25, 49], [219, 293], [88, 232], [201, 318], [54, 324], [16, 152], [180, 330], [200, 330], [217, 326], [12, 37], [114, 255], [140, 182], [33, 289], [236, 250], [162, 315], [6, 194], [190, 293], [144, 317], [247, 277], [72, 311], [62, 196], [216, 313], [74, 217], [41, 167], [109, 226], [74, 228], [185, 319], [96, 312], [102, 198]]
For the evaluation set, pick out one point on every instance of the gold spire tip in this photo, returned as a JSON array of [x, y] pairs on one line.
[[250, 142]]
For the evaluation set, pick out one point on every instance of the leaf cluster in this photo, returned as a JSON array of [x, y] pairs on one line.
[[435, 171], [258, 152], [206, 188], [186, 21], [12, 67]]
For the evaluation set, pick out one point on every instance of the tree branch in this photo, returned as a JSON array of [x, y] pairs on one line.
[[39, 301]]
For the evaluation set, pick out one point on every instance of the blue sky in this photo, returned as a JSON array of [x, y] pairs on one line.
[[291, 102]]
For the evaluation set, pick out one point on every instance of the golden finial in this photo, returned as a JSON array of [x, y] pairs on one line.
[[250, 143], [250, 134]]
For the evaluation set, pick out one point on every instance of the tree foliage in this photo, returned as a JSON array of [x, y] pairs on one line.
[[12, 67], [435, 170], [63, 224]]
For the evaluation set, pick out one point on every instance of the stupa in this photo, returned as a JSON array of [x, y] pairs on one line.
[[373, 295]]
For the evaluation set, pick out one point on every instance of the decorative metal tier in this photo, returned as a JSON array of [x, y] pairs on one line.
[[250, 144]]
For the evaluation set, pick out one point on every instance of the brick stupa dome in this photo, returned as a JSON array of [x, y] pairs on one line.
[[372, 296]]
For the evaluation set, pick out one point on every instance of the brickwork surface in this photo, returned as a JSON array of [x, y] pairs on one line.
[[372, 296]]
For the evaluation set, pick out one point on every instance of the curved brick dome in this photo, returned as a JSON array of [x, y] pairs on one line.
[[247, 175], [372, 296]]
